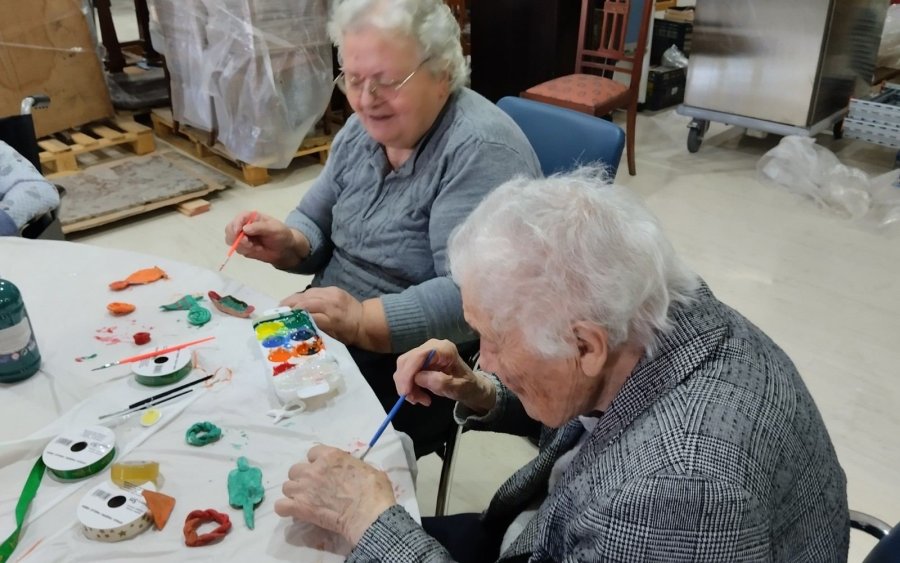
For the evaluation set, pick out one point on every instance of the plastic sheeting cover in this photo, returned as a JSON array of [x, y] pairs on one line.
[[258, 72]]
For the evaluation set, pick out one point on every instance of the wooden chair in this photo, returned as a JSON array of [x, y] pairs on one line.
[[600, 94]]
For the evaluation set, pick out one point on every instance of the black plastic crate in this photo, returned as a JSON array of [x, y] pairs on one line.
[[666, 34], [665, 87]]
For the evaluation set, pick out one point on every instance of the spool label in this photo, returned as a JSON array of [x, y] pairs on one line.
[[161, 367], [108, 506], [79, 449]]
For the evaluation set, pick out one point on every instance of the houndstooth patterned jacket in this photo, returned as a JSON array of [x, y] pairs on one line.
[[712, 451]]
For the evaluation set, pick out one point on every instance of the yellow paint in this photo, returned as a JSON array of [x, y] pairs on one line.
[[266, 330], [151, 417]]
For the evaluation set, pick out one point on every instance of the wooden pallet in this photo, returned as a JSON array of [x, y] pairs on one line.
[[189, 203], [202, 145], [61, 149]]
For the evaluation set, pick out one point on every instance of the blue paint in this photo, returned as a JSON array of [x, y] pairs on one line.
[[274, 341], [301, 334]]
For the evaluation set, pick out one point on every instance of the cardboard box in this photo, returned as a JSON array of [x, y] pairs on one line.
[[46, 48]]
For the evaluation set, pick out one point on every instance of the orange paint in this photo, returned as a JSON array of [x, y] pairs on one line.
[[279, 355], [308, 348], [118, 309]]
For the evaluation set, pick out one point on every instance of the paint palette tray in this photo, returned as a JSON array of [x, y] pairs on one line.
[[298, 365]]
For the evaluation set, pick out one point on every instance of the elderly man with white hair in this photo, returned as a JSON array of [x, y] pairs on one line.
[[416, 157], [671, 428]]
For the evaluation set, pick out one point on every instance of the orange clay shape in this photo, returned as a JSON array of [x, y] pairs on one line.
[[118, 309], [147, 275]]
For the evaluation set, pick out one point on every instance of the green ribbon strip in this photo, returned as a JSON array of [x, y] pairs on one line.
[[30, 490], [28, 493]]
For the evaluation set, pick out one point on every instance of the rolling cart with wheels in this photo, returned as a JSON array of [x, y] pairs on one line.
[[787, 68], [701, 118]]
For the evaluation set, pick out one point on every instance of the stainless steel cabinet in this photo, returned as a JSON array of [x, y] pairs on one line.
[[783, 66]]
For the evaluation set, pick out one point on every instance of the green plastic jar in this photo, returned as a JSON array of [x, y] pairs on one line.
[[19, 355]]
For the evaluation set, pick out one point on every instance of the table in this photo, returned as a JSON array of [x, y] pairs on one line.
[[64, 286]]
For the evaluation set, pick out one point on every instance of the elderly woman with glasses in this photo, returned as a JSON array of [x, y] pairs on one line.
[[419, 153], [671, 428]]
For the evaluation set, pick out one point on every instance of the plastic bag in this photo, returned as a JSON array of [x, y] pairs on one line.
[[674, 57], [257, 72], [889, 51], [803, 167]]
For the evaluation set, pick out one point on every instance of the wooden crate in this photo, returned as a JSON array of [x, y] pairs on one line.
[[59, 151], [202, 145]]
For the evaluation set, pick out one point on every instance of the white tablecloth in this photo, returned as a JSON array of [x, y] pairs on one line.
[[65, 288]]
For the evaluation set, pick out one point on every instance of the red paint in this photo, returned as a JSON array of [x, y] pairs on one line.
[[281, 368], [141, 338]]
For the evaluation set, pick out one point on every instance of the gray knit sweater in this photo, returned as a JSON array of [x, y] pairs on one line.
[[378, 232]]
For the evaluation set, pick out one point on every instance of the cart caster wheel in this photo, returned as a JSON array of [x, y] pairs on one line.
[[838, 130], [694, 140]]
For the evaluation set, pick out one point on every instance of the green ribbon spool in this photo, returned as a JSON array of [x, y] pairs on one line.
[[88, 471], [33, 483], [167, 379]]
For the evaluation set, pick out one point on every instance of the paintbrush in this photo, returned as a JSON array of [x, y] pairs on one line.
[[237, 240], [153, 354], [155, 400], [394, 410]]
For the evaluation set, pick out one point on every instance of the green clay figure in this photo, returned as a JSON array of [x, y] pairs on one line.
[[245, 489], [231, 305], [197, 315], [183, 304]]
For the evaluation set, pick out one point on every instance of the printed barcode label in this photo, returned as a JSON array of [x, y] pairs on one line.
[[102, 494], [64, 442]]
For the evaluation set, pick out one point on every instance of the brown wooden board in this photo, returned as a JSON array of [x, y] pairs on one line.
[[45, 48], [111, 191]]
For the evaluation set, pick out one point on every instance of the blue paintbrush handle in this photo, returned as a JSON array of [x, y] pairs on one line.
[[397, 405]]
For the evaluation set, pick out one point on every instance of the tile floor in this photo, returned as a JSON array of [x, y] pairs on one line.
[[822, 286]]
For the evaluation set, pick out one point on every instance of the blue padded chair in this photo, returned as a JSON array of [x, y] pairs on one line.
[[887, 550], [564, 138]]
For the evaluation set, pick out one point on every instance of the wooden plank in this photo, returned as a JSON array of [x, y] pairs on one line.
[[130, 126], [145, 142], [107, 133], [84, 140], [194, 207], [54, 146]]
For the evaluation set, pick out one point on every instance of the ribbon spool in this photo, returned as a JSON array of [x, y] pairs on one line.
[[163, 370], [80, 453], [108, 513]]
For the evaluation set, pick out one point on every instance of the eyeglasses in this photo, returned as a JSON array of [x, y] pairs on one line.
[[385, 90]]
